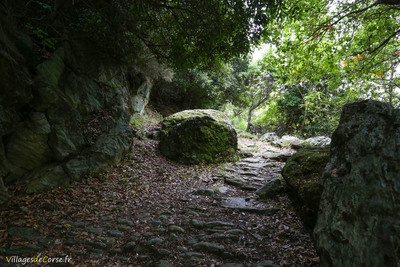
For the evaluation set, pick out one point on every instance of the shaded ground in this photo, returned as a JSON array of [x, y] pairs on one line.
[[149, 211]]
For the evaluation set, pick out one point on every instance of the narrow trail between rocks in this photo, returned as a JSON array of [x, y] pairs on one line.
[[149, 211]]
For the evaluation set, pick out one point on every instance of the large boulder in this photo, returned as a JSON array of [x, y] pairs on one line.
[[302, 174], [359, 219], [194, 136]]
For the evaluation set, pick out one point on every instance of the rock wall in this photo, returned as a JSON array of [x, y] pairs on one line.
[[63, 116], [359, 217]]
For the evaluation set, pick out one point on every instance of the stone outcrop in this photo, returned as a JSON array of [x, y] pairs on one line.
[[195, 136], [63, 117], [302, 174], [359, 219]]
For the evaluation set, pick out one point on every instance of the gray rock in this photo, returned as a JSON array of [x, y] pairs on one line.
[[129, 247], [192, 256], [209, 247], [106, 218], [94, 230], [21, 250], [124, 228], [231, 264], [97, 244], [270, 189], [155, 241], [162, 263], [233, 181], [194, 136], [197, 224], [358, 221], [267, 263], [23, 232], [248, 205], [204, 192], [115, 233], [175, 229]]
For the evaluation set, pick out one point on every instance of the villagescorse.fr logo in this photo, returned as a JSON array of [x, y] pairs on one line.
[[45, 259]]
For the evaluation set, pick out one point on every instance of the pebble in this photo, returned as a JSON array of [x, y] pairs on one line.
[[192, 256], [175, 229], [209, 247], [129, 247], [154, 241], [125, 222], [115, 233]]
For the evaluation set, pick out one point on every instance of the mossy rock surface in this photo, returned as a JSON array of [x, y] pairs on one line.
[[198, 136], [179, 117], [302, 174]]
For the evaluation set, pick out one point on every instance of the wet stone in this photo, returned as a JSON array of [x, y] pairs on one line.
[[235, 232], [107, 240]]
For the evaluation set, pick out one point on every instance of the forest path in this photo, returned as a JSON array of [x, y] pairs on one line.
[[149, 211]]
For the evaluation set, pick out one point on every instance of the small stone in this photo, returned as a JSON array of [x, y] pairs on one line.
[[197, 224], [173, 237], [209, 247], [235, 232], [78, 224], [175, 229], [204, 192], [162, 263], [165, 212], [134, 237], [223, 189], [129, 247], [192, 256], [106, 218], [148, 234], [219, 224], [98, 245], [154, 241], [115, 233], [23, 232], [96, 252], [233, 181], [164, 217], [192, 212], [270, 189], [155, 222], [125, 222], [20, 250], [108, 240], [94, 230], [232, 265], [267, 263], [124, 228], [163, 252]]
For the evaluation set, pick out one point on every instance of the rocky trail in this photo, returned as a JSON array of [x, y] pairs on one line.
[[149, 211]]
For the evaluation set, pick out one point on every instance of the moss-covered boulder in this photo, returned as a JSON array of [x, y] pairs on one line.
[[302, 174], [194, 136]]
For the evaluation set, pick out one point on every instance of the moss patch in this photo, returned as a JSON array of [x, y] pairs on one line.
[[302, 173], [198, 138]]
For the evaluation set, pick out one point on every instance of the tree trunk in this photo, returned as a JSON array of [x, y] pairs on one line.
[[249, 119]]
